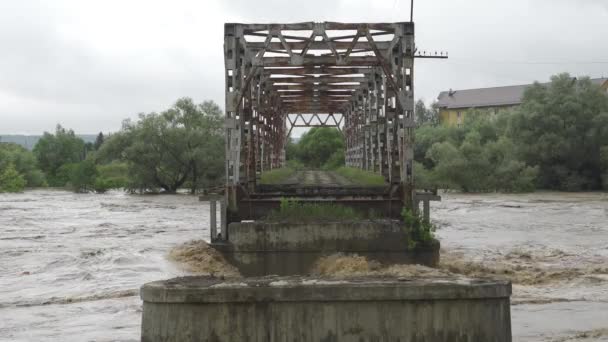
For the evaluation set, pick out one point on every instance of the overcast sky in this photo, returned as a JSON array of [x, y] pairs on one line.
[[90, 64]]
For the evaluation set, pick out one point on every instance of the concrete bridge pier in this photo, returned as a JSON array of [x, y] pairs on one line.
[[306, 309]]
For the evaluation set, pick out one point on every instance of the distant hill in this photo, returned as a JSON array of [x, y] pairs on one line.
[[29, 141]]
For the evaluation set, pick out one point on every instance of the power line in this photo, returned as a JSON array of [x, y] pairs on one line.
[[485, 61]]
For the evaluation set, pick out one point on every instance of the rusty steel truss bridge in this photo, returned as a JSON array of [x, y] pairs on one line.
[[357, 77]]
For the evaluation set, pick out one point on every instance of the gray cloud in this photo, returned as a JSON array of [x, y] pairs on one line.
[[88, 64]]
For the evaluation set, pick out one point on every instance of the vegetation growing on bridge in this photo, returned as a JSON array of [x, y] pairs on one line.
[[361, 177], [276, 176], [293, 211], [419, 232]]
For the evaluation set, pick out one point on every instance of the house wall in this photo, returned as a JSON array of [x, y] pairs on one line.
[[454, 117]]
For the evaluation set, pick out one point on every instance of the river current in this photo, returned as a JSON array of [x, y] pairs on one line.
[[71, 264]]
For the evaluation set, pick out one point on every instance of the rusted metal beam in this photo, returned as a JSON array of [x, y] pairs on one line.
[[320, 79], [311, 70], [318, 60], [316, 45]]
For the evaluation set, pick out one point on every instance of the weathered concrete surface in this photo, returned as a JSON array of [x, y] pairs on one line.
[[307, 309], [263, 248]]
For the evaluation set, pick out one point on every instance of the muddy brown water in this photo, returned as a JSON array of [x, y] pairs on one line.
[[71, 265]]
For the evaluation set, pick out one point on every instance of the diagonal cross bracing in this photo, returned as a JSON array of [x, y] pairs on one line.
[[354, 76]]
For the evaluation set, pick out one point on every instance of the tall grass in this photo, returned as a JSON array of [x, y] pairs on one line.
[[276, 176], [294, 211], [361, 177]]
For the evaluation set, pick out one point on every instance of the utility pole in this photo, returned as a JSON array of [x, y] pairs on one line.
[[412, 11]]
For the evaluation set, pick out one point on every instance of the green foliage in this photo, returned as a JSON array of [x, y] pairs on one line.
[[361, 177], [295, 165], [294, 211], [11, 180], [183, 145], [112, 176], [321, 147], [23, 161], [426, 116], [55, 150], [82, 176], [419, 233], [276, 176], [478, 156], [562, 128], [557, 139], [335, 161], [98, 141], [424, 178]]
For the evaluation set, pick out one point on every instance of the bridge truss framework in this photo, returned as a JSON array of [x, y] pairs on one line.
[[356, 75]]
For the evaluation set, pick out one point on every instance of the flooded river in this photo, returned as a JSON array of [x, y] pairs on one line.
[[71, 265]]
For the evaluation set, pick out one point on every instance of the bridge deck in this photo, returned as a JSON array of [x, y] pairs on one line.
[[317, 179]]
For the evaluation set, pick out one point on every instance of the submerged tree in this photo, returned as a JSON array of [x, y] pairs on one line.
[[183, 145]]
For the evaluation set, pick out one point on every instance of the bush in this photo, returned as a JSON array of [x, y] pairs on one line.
[[294, 211], [276, 176], [478, 156], [102, 185], [23, 161], [419, 233], [11, 180], [82, 176], [113, 176], [335, 161], [361, 177]]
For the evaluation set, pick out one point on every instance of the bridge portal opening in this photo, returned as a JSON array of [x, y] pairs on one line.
[[357, 77]]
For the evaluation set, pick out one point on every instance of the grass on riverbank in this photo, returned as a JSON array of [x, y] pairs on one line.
[[361, 177], [295, 212], [276, 176]]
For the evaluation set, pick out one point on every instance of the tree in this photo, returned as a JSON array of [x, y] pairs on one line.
[[478, 156], [321, 145], [82, 176], [98, 141], [23, 161], [54, 150], [562, 128], [426, 115], [183, 145], [11, 180]]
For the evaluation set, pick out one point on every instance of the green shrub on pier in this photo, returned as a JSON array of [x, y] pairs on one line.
[[419, 232]]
